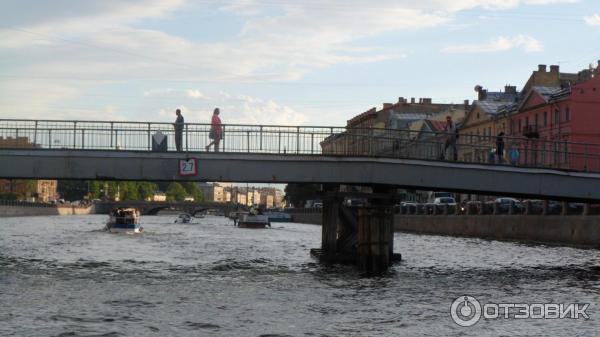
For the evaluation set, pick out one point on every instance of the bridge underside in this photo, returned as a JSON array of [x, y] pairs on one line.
[[272, 168]]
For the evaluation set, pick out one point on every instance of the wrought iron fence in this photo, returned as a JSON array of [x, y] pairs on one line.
[[301, 140]]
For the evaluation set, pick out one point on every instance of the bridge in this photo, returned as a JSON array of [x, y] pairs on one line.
[[385, 159], [154, 207]]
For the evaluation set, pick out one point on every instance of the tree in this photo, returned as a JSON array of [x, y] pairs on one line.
[[297, 194], [176, 192], [128, 190], [146, 189], [193, 190]]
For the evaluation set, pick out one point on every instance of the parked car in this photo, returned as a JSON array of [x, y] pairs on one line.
[[445, 201], [503, 205]]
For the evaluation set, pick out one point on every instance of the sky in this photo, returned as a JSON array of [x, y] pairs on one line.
[[283, 62]]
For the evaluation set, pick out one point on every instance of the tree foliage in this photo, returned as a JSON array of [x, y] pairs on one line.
[[298, 194], [176, 192], [193, 190]]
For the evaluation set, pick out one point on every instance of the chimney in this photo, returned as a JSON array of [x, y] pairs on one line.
[[427, 101], [401, 100], [482, 95], [554, 68], [387, 105], [510, 89], [466, 102], [542, 68], [412, 100]]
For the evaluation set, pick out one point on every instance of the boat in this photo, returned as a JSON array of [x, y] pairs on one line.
[[183, 218], [248, 220], [124, 220], [279, 217]]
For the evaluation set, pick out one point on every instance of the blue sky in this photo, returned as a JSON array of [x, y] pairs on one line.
[[275, 61]]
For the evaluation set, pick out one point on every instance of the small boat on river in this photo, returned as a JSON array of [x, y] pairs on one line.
[[124, 220], [279, 217], [248, 220], [183, 218]]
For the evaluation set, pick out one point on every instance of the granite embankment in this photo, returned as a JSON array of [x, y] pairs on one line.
[[572, 230], [8, 209]]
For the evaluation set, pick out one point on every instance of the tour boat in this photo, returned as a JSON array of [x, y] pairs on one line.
[[253, 221], [183, 218], [279, 217], [124, 220]]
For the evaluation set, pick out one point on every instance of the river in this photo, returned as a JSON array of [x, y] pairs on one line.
[[64, 276]]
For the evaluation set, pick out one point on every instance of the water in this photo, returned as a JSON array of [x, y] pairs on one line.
[[62, 276]]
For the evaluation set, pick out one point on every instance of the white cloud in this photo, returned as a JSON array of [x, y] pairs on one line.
[[195, 94], [502, 43], [593, 20]]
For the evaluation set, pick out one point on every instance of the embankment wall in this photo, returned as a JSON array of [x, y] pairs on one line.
[[573, 230]]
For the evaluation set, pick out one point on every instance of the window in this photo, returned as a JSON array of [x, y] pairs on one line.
[[490, 131], [556, 116], [526, 121], [567, 114], [545, 118], [520, 125], [536, 119]]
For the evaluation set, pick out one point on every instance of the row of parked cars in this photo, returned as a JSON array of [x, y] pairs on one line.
[[503, 206]]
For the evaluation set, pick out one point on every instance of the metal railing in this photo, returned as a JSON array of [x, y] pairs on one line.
[[301, 140]]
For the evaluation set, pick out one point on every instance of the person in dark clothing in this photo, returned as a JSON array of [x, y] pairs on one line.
[[500, 147], [178, 125]]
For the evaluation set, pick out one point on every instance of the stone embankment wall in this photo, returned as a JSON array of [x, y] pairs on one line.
[[574, 230], [7, 210]]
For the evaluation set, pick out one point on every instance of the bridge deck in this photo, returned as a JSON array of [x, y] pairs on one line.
[[277, 168]]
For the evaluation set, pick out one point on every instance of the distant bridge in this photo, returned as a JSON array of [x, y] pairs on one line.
[[154, 207]]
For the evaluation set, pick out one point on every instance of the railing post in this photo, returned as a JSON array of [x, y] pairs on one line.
[[149, 137], [49, 138], [35, 133], [223, 137], [312, 142], [74, 135], [279, 142], [186, 137], [17, 137], [248, 140], [117, 139], [111, 134], [297, 140], [83, 138], [261, 138]]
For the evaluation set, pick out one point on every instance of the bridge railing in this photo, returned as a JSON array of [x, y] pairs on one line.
[[301, 140]]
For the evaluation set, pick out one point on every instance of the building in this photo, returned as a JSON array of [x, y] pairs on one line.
[[487, 117], [213, 192], [555, 113], [381, 131]]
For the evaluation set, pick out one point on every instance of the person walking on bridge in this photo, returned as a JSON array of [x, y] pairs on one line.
[[450, 129], [216, 131], [178, 125]]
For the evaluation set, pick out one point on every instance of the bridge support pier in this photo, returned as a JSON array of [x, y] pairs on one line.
[[358, 235]]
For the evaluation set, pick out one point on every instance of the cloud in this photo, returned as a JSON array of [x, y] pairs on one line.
[[502, 43], [593, 20]]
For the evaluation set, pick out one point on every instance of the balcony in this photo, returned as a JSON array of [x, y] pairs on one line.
[[531, 131]]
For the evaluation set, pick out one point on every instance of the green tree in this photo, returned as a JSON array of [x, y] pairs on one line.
[[146, 189], [175, 192], [297, 194], [128, 190], [193, 190]]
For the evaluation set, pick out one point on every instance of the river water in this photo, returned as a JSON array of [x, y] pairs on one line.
[[63, 276]]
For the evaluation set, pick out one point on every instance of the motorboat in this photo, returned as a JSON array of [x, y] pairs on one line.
[[279, 217], [124, 220], [183, 218], [248, 220]]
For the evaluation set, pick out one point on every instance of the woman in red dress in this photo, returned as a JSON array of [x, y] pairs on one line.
[[216, 131]]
